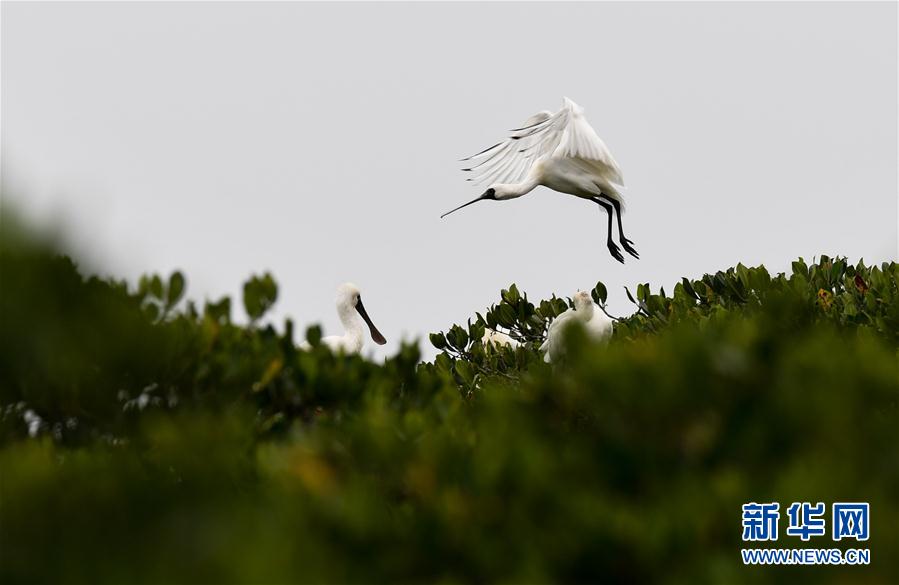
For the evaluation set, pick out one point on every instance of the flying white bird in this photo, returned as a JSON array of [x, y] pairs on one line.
[[498, 339], [596, 323], [349, 309], [560, 151]]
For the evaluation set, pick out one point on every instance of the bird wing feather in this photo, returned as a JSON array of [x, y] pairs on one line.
[[565, 133], [580, 141], [551, 344], [600, 327], [510, 160], [559, 322]]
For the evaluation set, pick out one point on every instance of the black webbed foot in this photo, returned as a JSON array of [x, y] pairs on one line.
[[629, 247], [615, 252]]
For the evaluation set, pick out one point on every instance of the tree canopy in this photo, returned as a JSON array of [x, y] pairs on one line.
[[147, 439]]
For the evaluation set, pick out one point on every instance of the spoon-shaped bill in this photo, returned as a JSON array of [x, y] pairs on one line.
[[488, 194], [375, 334]]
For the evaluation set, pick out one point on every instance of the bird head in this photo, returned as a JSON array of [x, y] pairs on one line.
[[347, 295], [582, 301], [502, 191], [348, 299]]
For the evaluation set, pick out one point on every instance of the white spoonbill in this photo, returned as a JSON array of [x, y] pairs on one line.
[[560, 151], [596, 323], [349, 309]]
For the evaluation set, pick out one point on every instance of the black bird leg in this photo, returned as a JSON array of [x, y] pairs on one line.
[[625, 243], [613, 249]]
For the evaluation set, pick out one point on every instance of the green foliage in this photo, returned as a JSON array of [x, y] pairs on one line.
[[259, 294], [159, 299], [157, 445], [830, 291]]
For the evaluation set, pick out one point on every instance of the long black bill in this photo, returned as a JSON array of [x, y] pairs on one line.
[[375, 334], [489, 194]]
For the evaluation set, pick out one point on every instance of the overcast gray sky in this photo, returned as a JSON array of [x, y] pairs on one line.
[[320, 142]]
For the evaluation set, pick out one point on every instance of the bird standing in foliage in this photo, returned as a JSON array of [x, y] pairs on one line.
[[560, 151], [596, 323], [349, 309], [498, 339]]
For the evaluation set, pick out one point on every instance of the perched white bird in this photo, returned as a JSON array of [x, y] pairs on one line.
[[596, 323], [560, 151], [498, 338], [349, 309]]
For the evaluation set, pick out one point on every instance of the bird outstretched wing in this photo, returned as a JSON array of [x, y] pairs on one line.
[[510, 160], [580, 141], [565, 133]]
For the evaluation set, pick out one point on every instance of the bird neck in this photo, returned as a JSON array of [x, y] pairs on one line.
[[352, 323], [513, 190], [585, 312]]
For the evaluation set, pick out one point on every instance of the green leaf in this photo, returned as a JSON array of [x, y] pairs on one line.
[[451, 337], [288, 330], [511, 295], [476, 331], [443, 362], [559, 306], [759, 278], [688, 286], [220, 311], [837, 270], [465, 371], [629, 295], [599, 293], [176, 288], [462, 337], [143, 286], [721, 282], [457, 337], [314, 335], [642, 291], [507, 315], [259, 294], [438, 340], [156, 286], [743, 274]]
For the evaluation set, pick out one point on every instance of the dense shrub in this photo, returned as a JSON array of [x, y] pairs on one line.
[[144, 439]]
